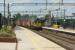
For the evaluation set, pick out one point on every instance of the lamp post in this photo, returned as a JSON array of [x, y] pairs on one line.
[[62, 1], [4, 11], [64, 20], [60, 6], [64, 15], [46, 4], [4, 8], [9, 15], [50, 22], [57, 15]]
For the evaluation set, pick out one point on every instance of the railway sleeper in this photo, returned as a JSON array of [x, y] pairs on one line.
[[59, 40], [61, 34]]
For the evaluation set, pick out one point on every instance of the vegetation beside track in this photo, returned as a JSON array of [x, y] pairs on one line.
[[7, 32]]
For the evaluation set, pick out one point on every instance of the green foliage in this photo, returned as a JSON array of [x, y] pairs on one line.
[[17, 16], [47, 16], [25, 16], [33, 17], [6, 32]]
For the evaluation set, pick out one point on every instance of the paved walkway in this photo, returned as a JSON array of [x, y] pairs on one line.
[[29, 40], [7, 46]]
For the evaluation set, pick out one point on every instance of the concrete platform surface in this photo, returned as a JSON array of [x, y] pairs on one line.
[[7, 46], [61, 29], [29, 40]]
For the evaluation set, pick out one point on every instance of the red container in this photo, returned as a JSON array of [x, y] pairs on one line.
[[24, 22]]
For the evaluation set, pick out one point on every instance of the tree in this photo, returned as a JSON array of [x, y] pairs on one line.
[[33, 17], [47, 17], [48, 20], [17, 16], [26, 16]]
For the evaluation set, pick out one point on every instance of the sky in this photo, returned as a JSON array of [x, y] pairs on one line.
[[25, 1], [69, 9]]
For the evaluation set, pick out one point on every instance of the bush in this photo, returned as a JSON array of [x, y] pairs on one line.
[[6, 32]]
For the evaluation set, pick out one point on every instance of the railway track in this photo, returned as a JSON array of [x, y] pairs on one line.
[[64, 41]]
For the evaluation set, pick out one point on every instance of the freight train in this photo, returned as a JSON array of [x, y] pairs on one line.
[[24, 23], [36, 24]]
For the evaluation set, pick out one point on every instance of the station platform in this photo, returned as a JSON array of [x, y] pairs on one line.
[[7, 46], [61, 29], [29, 40]]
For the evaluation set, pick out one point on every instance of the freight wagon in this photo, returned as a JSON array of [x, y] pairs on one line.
[[25, 23]]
